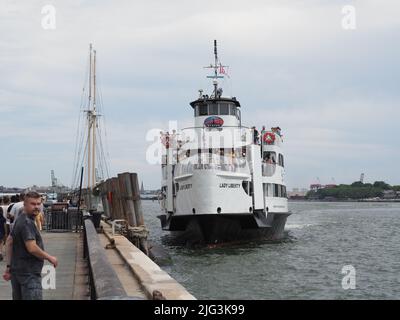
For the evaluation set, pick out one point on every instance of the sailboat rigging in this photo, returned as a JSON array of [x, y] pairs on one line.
[[89, 150]]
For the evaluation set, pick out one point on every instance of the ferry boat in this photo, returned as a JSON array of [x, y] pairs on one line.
[[222, 181]]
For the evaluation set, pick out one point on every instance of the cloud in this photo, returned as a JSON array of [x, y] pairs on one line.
[[334, 92]]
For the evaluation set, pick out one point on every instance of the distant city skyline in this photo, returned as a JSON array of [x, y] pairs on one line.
[[333, 91]]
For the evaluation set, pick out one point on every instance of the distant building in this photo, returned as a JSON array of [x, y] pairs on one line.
[[331, 185], [298, 194], [390, 194], [142, 188], [315, 186]]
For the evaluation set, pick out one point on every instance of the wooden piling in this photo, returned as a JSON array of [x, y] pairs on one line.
[[116, 200], [125, 185], [136, 199]]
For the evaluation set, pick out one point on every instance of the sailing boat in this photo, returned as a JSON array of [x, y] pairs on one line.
[[90, 154]]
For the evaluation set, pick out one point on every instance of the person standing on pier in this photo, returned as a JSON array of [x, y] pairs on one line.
[[17, 209], [25, 253], [2, 231]]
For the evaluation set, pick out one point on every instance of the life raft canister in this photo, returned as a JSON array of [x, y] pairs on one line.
[[269, 138]]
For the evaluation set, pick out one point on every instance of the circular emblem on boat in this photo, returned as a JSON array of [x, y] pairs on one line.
[[213, 122], [269, 138]]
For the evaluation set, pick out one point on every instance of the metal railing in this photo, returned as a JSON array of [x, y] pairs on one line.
[[64, 220]]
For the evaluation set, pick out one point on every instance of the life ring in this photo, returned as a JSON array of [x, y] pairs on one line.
[[269, 138]]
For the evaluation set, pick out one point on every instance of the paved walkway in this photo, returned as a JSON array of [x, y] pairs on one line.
[[71, 273]]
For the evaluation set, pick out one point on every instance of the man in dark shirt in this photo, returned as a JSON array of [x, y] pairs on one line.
[[25, 253]]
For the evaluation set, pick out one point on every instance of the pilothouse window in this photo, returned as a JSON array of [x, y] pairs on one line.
[[224, 109], [214, 109], [203, 110]]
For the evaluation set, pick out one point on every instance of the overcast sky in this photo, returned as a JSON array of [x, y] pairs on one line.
[[333, 91]]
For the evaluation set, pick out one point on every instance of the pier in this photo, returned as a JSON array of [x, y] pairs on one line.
[[107, 258]]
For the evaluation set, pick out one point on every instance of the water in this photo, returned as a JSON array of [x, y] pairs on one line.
[[321, 238]]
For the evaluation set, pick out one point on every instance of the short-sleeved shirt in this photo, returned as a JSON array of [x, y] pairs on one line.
[[22, 262], [4, 208], [16, 211]]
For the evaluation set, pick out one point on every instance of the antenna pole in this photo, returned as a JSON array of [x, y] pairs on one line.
[[215, 69]]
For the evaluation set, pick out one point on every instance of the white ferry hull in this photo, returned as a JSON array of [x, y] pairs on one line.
[[216, 228]]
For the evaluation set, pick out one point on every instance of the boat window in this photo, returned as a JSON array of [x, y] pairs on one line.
[[280, 160], [269, 157], [213, 109], [224, 108], [276, 190], [268, 189], [203, 110], [283, 191], [232, 110], [246, 186]]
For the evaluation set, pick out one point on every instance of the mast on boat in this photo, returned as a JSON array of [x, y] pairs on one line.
[[92, 125], [217, 65], [89, 150]]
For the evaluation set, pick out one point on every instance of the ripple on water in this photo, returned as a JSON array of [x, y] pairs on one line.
[[319, 240]]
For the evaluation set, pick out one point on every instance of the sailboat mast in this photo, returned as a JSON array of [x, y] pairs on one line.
[[89, 119], [94, 122]]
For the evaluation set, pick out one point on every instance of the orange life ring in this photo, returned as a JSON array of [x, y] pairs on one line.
[[269, 138]]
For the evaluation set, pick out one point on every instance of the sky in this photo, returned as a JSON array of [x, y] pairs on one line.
[[330, 84]]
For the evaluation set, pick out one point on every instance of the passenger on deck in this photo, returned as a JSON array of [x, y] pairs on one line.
[[263, 131], [276, 130], [255, 135]]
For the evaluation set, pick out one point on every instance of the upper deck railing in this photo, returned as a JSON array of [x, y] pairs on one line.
[[201, 137]]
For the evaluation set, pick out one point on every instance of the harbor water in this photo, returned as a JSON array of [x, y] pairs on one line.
[[320, 239]]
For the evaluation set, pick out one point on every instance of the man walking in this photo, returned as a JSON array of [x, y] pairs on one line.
[[25, 253]]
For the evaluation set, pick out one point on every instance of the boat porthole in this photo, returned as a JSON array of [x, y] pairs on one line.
[[194, 210], [219, 210]]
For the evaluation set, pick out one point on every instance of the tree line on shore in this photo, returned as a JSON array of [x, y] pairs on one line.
[[356, 190]]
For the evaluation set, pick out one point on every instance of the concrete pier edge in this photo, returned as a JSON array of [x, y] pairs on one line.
[[148, 273]]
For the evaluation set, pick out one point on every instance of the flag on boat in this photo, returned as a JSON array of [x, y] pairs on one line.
[[222, 70]]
